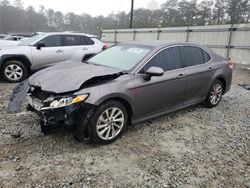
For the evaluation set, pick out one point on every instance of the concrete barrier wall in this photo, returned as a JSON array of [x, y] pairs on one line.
[[227, 40]]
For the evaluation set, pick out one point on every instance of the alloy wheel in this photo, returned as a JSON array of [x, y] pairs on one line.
[[216, 94], [110, 123], [13, 72]]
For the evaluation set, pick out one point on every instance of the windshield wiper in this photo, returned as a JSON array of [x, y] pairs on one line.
[[88, 62]]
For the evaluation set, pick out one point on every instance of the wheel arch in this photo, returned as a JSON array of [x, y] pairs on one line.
[[21, 58], [123, 101], [223, 81]]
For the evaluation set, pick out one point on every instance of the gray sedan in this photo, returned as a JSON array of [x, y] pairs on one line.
[[126, 84]]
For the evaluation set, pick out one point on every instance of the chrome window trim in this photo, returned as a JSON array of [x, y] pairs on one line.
[[179, 45]]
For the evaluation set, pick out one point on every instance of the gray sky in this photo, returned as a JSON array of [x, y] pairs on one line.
[[92, 7]]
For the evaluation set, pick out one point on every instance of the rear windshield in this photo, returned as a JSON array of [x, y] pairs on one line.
[[123, 57]]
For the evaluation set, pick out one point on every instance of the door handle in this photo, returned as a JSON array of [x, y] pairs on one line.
[[211, 68], [59, 51], [181, 76], [84, 48]]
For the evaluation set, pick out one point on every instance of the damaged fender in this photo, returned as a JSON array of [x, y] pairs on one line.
[[17, 96], [62, 79]]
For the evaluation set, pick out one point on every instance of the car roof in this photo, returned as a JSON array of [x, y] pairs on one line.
[[157, 44], [70, 33], [160, 44]]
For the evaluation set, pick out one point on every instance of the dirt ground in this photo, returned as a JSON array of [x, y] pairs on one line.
[[194, 147]]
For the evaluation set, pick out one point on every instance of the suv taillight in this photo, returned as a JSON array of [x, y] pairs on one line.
[[105, 47], [231, 63]]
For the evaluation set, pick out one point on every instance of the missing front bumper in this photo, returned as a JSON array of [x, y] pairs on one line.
[[69, 115]]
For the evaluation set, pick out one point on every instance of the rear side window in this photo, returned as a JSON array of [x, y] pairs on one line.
[[192, 55], [88, 41], [72, 40], [52, 41], [77, 40], [206, 57], [168, 59]]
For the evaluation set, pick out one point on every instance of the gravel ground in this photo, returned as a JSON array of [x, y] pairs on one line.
[[194, 147]]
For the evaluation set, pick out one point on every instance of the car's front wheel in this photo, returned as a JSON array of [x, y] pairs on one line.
[[214, 95], [14, 71], [108, 122]]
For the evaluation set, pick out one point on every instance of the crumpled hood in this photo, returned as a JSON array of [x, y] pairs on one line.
[[70, 76]]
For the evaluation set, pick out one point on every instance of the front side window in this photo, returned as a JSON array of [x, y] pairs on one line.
[[123, 57], [52, 41], [192, 55], [168, 59]]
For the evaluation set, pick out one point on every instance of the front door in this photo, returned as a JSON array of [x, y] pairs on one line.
[[164, 93], [49, 55]]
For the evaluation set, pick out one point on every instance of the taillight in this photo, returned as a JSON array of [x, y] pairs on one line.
[[231, 63], [105, 47]]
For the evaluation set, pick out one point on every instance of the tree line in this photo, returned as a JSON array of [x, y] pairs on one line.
[[15, 18]]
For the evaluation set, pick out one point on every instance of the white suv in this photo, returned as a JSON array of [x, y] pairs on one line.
[[44, 50]]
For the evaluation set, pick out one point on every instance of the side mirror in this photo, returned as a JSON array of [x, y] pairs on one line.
[[40, 45], [153, 71]]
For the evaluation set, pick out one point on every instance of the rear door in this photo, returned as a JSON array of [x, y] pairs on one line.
[[199, 71], [49, 55], [77, 46], [162, 93]]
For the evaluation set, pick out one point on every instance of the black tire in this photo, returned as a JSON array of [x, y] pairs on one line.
[[92, 126], [19, 67], [209, 103]]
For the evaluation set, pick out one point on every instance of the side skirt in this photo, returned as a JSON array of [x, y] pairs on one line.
[[135, 121]]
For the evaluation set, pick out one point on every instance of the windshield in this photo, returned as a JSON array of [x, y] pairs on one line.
[[8, 38], [123, 57], [30, 41]]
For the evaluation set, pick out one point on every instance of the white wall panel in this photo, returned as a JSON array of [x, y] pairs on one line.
[[216, 36], [240, 56]]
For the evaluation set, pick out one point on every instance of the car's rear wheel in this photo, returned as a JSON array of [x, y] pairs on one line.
[[108, 122], [14, 71], [214, 95]]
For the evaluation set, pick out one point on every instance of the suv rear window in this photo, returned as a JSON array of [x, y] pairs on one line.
[[88, 41], [76, 40]]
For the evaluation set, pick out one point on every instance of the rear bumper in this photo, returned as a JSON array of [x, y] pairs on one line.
[[228, 80]]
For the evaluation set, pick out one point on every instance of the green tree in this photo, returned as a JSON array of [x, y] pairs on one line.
[[18, 4], [170, 14], [236, 10], [205, 12], [188, 12], [219, 11], [59, 21]]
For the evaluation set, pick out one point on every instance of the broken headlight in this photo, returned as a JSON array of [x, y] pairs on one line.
[[66, 101]]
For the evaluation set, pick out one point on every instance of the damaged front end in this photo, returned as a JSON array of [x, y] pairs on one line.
[[50, 93], [52, 108]]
